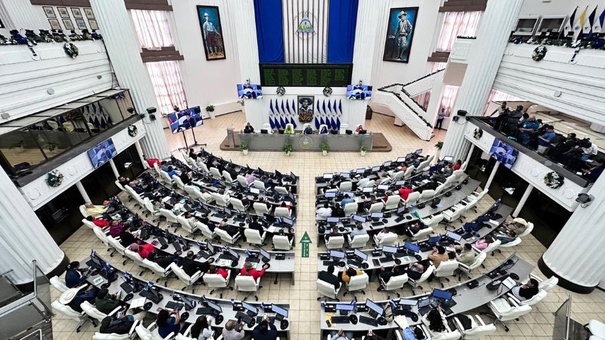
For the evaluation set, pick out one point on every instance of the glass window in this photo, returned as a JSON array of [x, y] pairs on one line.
[[153, 28], [21, 150], [457, 24], [167, 85]]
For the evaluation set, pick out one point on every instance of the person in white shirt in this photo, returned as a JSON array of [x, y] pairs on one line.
[[383, 233], [324, 212], [589, 150]]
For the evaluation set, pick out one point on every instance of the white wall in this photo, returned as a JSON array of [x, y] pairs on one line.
[[25, 80], [207, 82], [37, 193], [553, 7]]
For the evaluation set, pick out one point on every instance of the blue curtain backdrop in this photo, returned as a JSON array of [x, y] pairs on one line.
[[269, 31], [341, 31]]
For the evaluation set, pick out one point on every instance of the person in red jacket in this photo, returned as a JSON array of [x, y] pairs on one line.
[[458, 165], [247, 270], [143, 249], [152, 161], [99, 222], [405, 192], [218, 270]]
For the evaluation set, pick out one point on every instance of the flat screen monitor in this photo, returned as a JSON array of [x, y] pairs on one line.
[[328, 176], [337, 254], [360, 170], [387, 164], [401, 159], [376, 168], [345, 307], [102, 153], [264, 253], [345, 175], [504, 153], [281, 311], [210, 247], [250, 308], [186, 119], [249, 91], [449, 159], [404, 302], [418, 152], [434, 239], [287, 220], [389, 249], [227, 211], [368, 189], [442, 294], [401, 210], [383, 187], [375, 307], [453, 236], [363, 256], [358, 218], [333, 219], [424, 302], [233, 253], [377, 215], [214, 306], [330, 194], [411, 247], [359, 92], [399, 183]]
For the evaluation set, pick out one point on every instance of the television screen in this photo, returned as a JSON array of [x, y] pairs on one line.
[[102, 153], [359, 92], [186, 119], [504, 153], [249, 91]]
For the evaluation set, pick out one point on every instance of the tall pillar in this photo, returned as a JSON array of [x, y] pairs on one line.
[[486, 55], [83, 192], [122, 46], [242, 13], [491, 176], [370, 19], [23, 238], [524, 198], [114, 168], [137, 145], [575, 255]]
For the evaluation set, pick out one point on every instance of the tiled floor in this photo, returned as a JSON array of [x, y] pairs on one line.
[[302, 296]]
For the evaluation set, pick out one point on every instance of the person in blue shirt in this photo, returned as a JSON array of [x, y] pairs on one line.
[[527, 129], [74, 277], [346, 200], [164, 166], [168, 322], [413, 334], [546, 138], [171, 171]]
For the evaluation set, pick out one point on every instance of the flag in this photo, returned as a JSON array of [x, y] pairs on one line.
[[324, 106], [579, 25], [587, 29], [271, 105], [293, 122], [271, 122], [598, 23], [340, 107], [294, 106], [332, 123], [570, 24], [316, 122], [281, 120], [282, 107], [334, 106], [337, 123]]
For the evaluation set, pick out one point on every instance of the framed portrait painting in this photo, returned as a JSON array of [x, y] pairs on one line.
[[81, 24], [54, 24], [400, 34], [93, 24], [49, 11], [76, 12], [88, 12], [63, 13], [212, 32], [305, 109], [68, 24]]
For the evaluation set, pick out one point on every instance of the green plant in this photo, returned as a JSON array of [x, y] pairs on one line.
[[243, 146], [439, 145], [363, 148], [287, 148], [324, 146], [210, 108]]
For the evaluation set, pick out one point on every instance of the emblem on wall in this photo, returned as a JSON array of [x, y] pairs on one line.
[[304, 24], [305, 142], [280, 91]]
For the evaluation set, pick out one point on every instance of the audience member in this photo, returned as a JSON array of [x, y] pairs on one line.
[[168, 322], [458, 165], [465, 254], [233, 330], [95, 210], [438, 255], [192, 154], [348, 273], [74, 276], [346, 200], [435, 321], [337, 211], [248, 128], [105, 302], [74, 297], [201, 329], [190, 266], [308, 130], [152, 161], [142, 249], [406, 191], [527, 129], [483, 243], [526, 291], [546, 138], [248, 270], [115, 228], [115, 324], [171, 172], [99, 221], [218, 270], [329, 277], [264, 330], [324, 212], [395, 271]]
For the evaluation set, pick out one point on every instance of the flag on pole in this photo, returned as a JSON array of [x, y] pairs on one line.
[[587, 29], [282, 107], [316, 123], [598, 23], [569, 26], [579, 25], [294, 106], [340, 107]]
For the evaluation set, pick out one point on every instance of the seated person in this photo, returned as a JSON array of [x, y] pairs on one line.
[[435, 321], [136, 187], [386, 275], [517, 225], [505, 236], [74, 275], [231, 230], [248, 128], [95, 210], [413, 229], [359, 129], [99, 221], [465, 254], [191, 266], [105, 302], [346, 200], [201, 329], [264, 330], [337, 211], [123, 180], [152, 161], [171, 172], [526, 291], [168, 322], [127, 238], [234, 330], [458, 165], [164, 166], [248, 270], [75, 297], [185, 177], [116, 325], [438, 255], [358, 230], [410, 332], [192, 154], [527, 130], [143, 249], [250, 177], [115, 228], [415, 270], [546, 138], [324, 212], [162, 260], [329, 277], [406, 191], [595, 170], [341, 335], [368, 204], [218, 270], [483, 243], [308, 130], [384, 233], [348, 273], [256, 225]]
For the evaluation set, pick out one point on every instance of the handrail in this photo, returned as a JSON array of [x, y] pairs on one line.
[[423, 77]]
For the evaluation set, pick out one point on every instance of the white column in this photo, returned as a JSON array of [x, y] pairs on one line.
[[83, 192], [23, 237], [242, 13], [114, 168], [486, 55], [576, 254], [123, 49], [137, 145], [370, 20], [468, 157], [18, 14], [491, 176], [524, 198]]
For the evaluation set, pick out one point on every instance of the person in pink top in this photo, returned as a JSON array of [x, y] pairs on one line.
[[483, 243]]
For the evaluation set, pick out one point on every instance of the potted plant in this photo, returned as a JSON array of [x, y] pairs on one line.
[[324, 147], [363, 149], [244, 146], [210, 109], [287, 149]]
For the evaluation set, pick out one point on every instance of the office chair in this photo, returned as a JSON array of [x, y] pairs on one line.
[[469, 206], [375, 207], [466, 269], [529, 302], [228, 179], [409, 171], [192, 163], [282, 212], [237, 204], [215, 173], [392, 202], [510, 244], [422, 234], [186, 279], [357, 283], [100, 233], [491, 248], [89, 224], [426, 195], [546, 285], [346, 186], [184, 223], [117, 247], [168, 215], [334, 242], [242, 181], [218, 282], [150, 209], [387, 240], [425, 276], [136, 258], [396, 176], [281, 190], [448, 334], [504, 309], [454, 213], [596, 329], [459, 175], [362, 183], [91, 311], [71, 314], [179, 182], [225, 237], [478, 330], [120, 186], [445, 269], [394, 283], [260, 208], [157, 169], [477, 196], [253, 236], [527, 231], [58, 284], [326, 289], [412, 198], [220, 200], [281, 242], [423, 165], [206, 232], [165, 177], [247, 285], [189, 228], [259, 185], [202, 165], [150, 332], [113, 336], [358, 241], [351, 208], [158, 270], [190, 189], [83, 211], [433, 220]]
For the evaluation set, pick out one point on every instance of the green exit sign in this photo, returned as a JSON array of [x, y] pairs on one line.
[[306, 75]]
